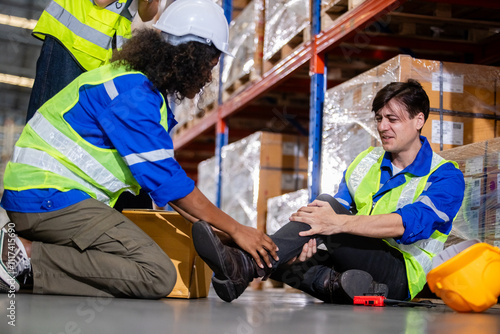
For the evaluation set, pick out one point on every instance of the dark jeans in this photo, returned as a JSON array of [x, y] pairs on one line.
[[345, 251], [55, 69]]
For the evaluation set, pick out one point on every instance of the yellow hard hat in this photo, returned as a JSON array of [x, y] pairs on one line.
[[466, 276]]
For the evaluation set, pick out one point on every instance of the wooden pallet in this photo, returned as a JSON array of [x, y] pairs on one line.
[[287, 49], [332, 10], [199, 116], [240, 84]]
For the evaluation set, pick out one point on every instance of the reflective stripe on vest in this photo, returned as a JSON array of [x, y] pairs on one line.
[[78, 28], [362, 168], [75, 153], [43, 160], [87, 30], [408, 193], [430, 245]]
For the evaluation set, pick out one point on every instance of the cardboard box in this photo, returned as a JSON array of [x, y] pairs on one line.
[[283, 151], [465, 87], [273, 183], [258, 167], [457, 130], [173, 234]]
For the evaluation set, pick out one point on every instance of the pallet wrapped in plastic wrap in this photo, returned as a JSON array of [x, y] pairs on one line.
[[207, 178], [284, 21], [348, 129], [185, 112], [280, 208], [463, 102], [258, 167], [189, 111], [245, 43], [479, 216]]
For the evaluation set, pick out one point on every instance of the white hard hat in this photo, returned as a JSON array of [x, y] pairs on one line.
[[195, 20]]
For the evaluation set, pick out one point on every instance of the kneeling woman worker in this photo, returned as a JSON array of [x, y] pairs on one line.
[[105, 133]]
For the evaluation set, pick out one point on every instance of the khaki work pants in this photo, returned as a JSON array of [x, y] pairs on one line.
[[90, 249]]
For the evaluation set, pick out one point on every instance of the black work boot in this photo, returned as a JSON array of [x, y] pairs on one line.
[[233, 268], [340, 288]]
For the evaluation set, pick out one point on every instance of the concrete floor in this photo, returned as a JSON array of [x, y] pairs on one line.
[[270, 311]]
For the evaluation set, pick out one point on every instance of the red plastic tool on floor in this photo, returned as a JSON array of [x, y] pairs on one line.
[[383, 301]]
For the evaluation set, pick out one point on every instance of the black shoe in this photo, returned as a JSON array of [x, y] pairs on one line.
[[233, 268], [341, 288]]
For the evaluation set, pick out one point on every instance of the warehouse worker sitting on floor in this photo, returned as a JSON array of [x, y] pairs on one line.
[[393, 212], [105, 133]]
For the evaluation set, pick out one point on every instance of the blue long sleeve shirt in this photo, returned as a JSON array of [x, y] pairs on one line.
[[437, 206], [130, 123]]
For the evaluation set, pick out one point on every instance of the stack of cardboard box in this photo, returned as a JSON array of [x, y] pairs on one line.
[[258, 167]]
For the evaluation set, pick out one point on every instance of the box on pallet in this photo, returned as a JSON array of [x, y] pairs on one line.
[[333, 9], [207, 178], [286, 27], [280, 208], [246, 34], [469, 222], [258, 167], [492, 192], [465, 95], [173, 234]]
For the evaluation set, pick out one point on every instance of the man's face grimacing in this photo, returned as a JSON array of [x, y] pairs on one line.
[[398, 132]]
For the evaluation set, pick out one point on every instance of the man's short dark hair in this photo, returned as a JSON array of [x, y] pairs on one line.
[[410, 93]]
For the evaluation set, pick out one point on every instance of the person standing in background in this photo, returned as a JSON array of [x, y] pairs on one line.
[[78, 36]]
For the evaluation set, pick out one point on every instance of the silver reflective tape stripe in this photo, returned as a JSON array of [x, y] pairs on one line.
[[157, 155], [340, 200], [120, 40], [427, 185], [362, 169], [76, 154], [427, 201], [43, 160], [78, 28], [430, 245], [111, 89], [408, 192]]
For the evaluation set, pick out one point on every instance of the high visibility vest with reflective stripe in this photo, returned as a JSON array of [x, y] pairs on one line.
[[85, 29], [363, 182], [50, 154]]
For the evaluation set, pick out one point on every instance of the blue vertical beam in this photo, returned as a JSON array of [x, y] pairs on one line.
[[221, 129], [318, 87], [221, 141]]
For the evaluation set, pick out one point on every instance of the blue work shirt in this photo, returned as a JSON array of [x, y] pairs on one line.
[[445, 192], [130, 123]]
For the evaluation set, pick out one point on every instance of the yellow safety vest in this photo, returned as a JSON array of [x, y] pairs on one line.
[[51, 155], [85, 29], [363, 182]]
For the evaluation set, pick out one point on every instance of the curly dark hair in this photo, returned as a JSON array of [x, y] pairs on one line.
[[174, 70]]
